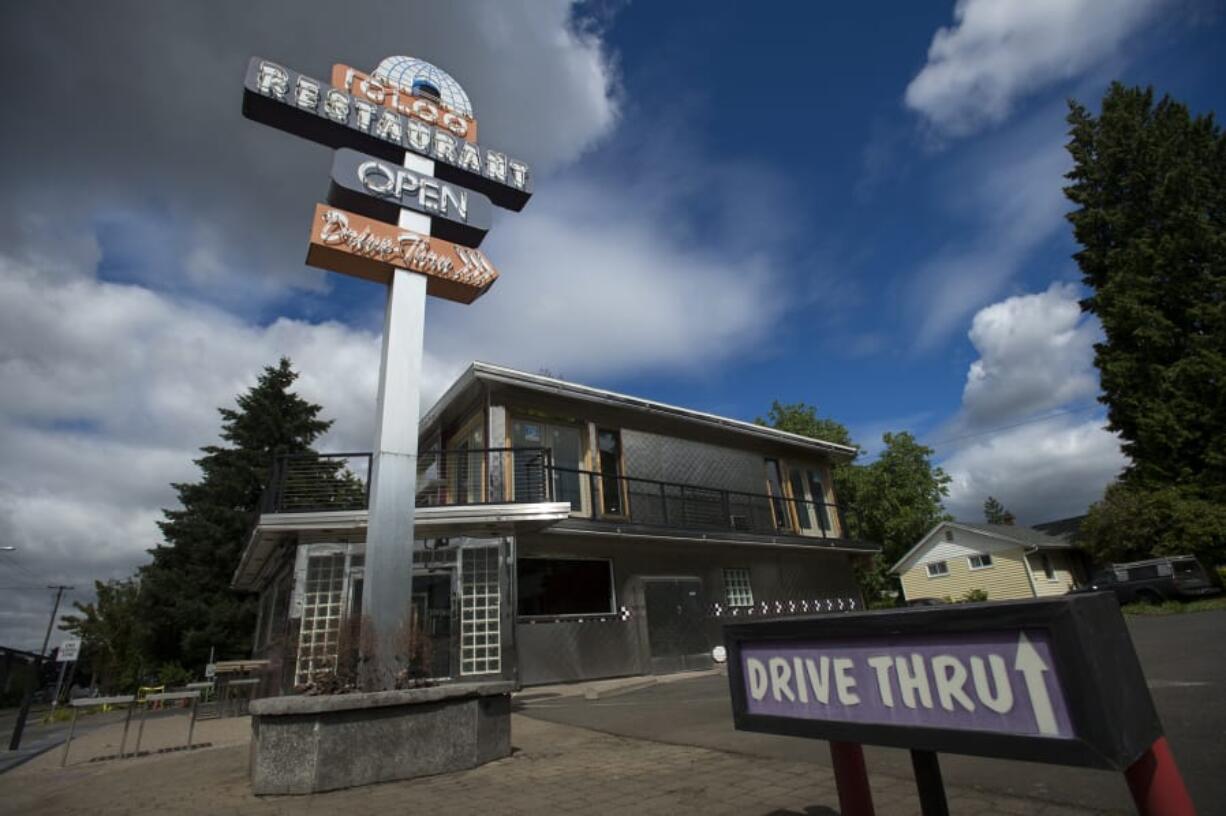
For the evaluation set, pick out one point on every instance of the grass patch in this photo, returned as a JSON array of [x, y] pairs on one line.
[[1175, 607]]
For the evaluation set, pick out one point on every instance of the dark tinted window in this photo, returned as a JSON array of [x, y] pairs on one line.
[[556, 586], [1142, 573]]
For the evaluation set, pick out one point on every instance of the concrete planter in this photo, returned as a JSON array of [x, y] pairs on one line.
[[309, 744]]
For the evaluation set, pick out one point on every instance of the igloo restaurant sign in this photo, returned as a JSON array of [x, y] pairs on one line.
[[399, 150]]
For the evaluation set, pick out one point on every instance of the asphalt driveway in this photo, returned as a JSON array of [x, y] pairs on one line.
[[1184, 660]]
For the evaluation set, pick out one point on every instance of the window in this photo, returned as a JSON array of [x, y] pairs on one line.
[[612, 498], [1049, 571], [737, 589], [563, 586], [565, 445], [774, 486], [981, 561], [949, 534], [937, 568], [480, 641], [810, 498]]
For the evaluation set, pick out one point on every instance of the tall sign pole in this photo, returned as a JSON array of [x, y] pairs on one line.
[[408, 205]]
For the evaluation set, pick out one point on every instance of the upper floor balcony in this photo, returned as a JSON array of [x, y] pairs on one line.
[[487, 477]]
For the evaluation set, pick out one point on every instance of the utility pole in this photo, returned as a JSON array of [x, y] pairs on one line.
[[20, 725]]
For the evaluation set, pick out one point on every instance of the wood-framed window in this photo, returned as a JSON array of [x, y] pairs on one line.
[[779, 503], [613, 493], [466, 462], [568, 477], [810, 501]]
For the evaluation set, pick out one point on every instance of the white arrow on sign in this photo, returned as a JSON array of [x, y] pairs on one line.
[[1031, 665]]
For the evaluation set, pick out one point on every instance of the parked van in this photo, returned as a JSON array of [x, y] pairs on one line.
[[1176, 577]]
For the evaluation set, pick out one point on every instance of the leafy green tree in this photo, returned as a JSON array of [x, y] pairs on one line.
[[112, 632], [1149, 184], [186, 595], [1132, 523], [995, 513], [898, 496]]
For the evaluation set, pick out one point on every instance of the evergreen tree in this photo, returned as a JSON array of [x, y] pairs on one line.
[[1149, 183], [185, 593], [995, 513]]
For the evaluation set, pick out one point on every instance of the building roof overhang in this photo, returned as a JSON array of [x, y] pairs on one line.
[[489, 373], [274, 530]]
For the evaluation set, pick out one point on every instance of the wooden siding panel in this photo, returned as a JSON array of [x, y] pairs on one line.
[[1006, 579], [1063, 578]]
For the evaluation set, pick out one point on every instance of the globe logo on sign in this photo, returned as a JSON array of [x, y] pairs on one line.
[[420, 78]]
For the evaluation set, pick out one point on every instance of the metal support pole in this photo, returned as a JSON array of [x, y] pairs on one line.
[[140, 729], [72, 727], [1156, 785], [191, 724], [59, 684], [127, 721], [851, 778], [928, 781], [387, 596]]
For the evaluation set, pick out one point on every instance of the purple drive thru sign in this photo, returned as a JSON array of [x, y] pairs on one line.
[[1005, 682]]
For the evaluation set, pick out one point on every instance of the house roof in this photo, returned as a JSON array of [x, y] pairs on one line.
[[1032, 538], [488, 372]]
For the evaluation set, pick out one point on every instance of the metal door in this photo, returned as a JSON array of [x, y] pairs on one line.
[[675, 624]]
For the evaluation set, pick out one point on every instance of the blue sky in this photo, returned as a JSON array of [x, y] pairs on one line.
[[854, 206]]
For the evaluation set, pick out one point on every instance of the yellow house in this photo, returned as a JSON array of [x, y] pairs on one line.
[[1006, 562]]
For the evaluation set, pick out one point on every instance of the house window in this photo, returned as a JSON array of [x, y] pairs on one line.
[[612, 491], [949, 535], [737, 589], [981, 561], [563, 586], [937, 568], [1049, 570]]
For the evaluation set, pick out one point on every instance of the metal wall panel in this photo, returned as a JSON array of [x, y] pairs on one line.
[[670, 459], [784, 582], [564, 650]]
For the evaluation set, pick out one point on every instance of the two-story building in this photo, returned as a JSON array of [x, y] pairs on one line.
[[564, 533]]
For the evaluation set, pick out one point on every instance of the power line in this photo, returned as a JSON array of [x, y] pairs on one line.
[[9, 562], [1002, 428]]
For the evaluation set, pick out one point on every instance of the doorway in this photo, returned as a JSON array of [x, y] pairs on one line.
[[432, 615], [676, 641]]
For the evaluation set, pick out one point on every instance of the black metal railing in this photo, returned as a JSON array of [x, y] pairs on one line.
[[655, 503], [302, 483], [310, 483]]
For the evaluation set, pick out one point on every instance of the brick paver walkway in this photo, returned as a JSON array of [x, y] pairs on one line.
[[555, 769]]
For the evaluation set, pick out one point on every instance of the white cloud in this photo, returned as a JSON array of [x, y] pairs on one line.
[[1041, 471], [998, 51], [592, 286], [1035, 370], [1009, 195], [1036, 352]]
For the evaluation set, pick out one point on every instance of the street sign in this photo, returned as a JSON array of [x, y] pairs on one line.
[[210, 670], [1048, 681], [69, 650]]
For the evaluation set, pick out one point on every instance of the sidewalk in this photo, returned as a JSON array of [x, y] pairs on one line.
[[554, 769]]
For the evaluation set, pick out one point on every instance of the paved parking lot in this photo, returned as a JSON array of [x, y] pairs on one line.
[[1183, 658]]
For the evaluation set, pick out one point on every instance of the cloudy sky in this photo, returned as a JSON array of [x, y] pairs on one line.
[[855, 207]]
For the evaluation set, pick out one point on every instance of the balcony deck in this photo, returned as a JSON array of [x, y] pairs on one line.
[[505, 477]]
